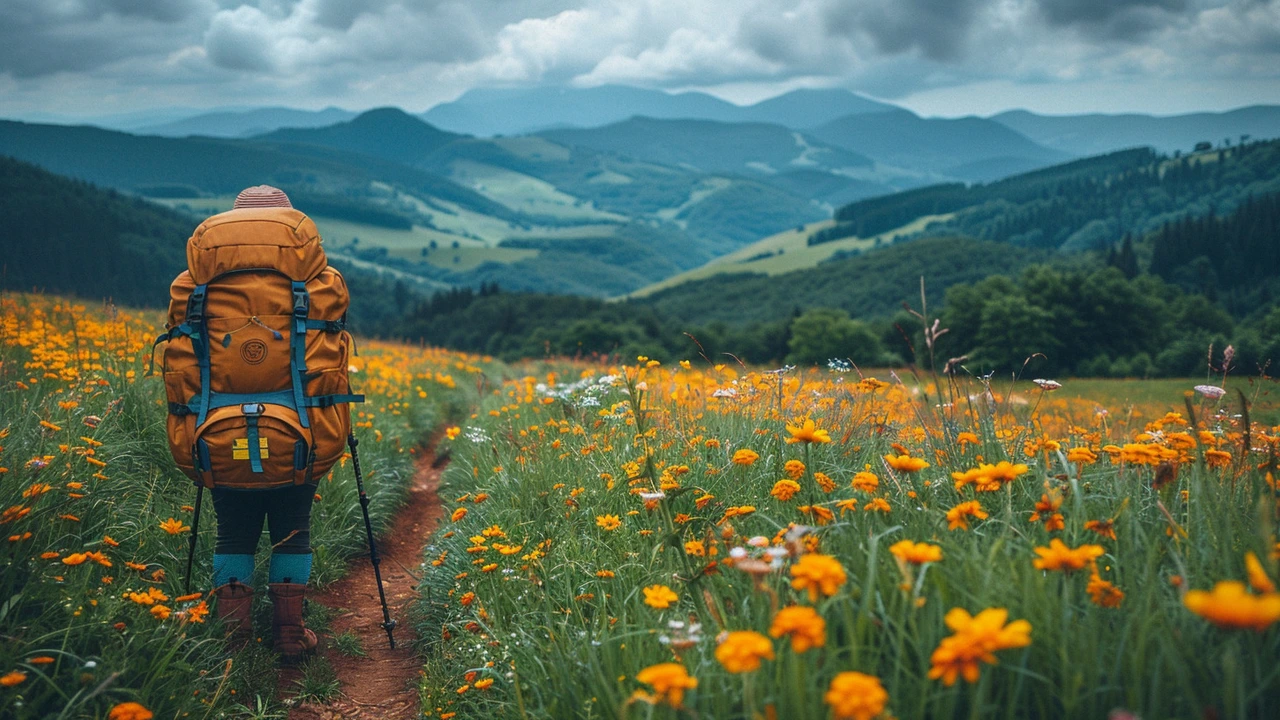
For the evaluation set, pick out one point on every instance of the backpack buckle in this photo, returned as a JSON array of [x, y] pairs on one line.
[[252, 409], [301, 303]]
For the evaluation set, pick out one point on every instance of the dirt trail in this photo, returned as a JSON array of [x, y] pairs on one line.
[[381, 686]]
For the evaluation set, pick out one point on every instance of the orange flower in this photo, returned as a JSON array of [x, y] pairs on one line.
[[1105, 528], [1082, 456], [745, 457], [975, 640], [1060, 557], [1229, 605], [129, 711], [11, 678], [807, 433], [659, 597], [1258, 579], [916, 553], [877, 505], [866, 482], [742, 650], [856, 696], [458, 514], [817, 574], [1103, 593], [905, 463], [803, 625], [794, 469], [174, 527], [784, 490], [668, 680], [958, 516]]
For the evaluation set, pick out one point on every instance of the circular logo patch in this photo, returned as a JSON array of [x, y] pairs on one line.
[[253, 352]]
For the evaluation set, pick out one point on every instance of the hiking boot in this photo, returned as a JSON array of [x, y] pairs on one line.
[[235, 600], [291, 639]]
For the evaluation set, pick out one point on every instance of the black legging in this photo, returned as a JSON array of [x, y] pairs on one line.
[[287, 511]]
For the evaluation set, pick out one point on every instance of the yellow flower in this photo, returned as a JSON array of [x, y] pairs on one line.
[[129, 711], [917, 553], [975, 640], [453, 432], [609, 522], [742, 650], [659, 597], [669, 681], [807, 433], [1258, 579], [958, 516], [817, 574], [1229, 605], [784, 490], [483, 683], [173, 526], [745, 457], [11, 678], [1060, 557], [856, 696], [803, 625], [905, 463]]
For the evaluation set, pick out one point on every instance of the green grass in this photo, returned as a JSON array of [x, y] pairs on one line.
[[87, 469], [559, 640], [784, 252]]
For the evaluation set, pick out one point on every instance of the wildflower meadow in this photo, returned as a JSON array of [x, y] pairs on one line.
[[711, 541], [649, 541]]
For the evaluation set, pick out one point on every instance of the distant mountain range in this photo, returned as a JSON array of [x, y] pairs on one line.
[[234, 124], [1095, 134], [488, 112]]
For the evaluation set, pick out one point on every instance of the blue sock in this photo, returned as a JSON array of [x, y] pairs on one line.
[[232, 567], [290, 567]]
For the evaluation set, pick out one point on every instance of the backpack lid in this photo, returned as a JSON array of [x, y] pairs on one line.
[[284, 240]]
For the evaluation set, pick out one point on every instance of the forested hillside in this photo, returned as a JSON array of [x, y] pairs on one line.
[[69, 237], [1082, 205]]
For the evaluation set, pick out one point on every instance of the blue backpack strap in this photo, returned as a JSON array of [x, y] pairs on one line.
[[194, 326], [252, 411], [298, 348]]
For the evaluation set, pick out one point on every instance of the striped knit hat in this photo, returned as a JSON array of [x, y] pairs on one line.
[[260, 196]]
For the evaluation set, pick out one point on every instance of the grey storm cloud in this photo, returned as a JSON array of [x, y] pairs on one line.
[[939, 29], [378, 50], [38, 37], [1114, 19]]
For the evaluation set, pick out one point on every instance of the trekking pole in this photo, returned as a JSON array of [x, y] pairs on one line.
[[195, 529], [387, 623]]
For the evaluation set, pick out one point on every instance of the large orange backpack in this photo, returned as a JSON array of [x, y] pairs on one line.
[[255, 368]]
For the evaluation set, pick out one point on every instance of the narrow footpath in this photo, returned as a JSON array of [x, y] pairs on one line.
[[382, 686]]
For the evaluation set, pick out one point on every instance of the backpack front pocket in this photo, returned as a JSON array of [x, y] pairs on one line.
[[252, 446]]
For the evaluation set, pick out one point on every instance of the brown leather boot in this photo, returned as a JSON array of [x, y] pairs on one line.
[[235, 601], [292, 640]]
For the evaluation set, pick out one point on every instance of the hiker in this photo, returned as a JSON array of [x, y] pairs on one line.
[[256, 376]]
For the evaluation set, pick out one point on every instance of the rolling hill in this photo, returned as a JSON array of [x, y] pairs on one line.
[[970, 148], [1096, 134], [387, 133], [711, 146]]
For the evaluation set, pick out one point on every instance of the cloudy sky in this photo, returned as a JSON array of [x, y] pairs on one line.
[[938, 57]]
